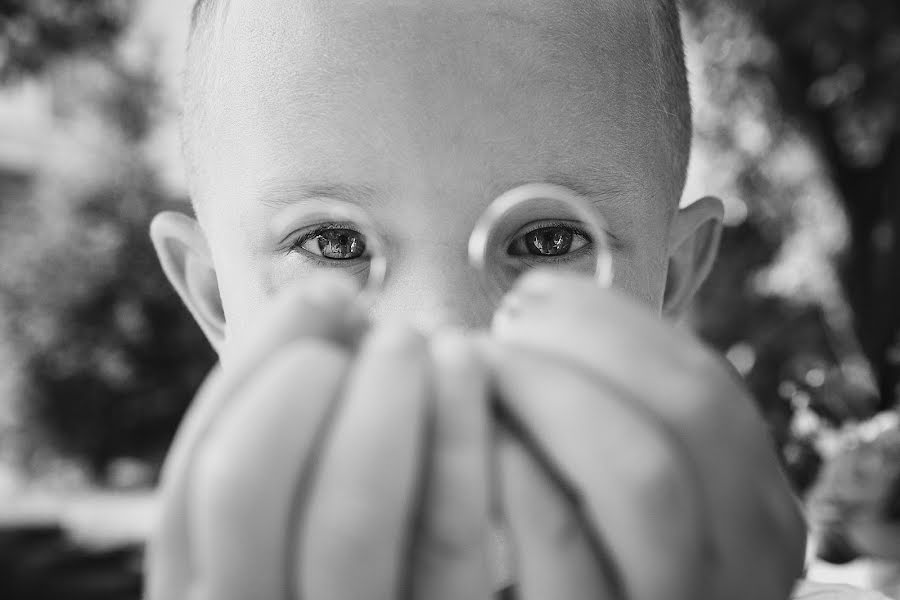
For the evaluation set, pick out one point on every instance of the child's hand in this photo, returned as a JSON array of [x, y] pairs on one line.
[[297, 472], [660, 447]]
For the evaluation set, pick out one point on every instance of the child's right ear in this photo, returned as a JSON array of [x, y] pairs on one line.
[[185, 258]]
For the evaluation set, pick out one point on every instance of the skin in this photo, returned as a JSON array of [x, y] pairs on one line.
[[433, 111], [420, 113], [703, 480]]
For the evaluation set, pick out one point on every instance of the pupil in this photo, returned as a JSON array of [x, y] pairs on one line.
[[550, 241]]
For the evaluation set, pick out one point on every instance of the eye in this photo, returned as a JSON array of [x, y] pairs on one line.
[[333, 243], [549, 241]]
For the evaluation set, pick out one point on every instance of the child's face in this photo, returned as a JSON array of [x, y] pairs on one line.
[[421, 113]]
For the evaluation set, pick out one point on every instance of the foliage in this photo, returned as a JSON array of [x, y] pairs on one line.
[[854, 508], [109, 355], [832, 69], [34, 33], [805, 97]]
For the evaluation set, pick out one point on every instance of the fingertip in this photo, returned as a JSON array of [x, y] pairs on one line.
[[539, 289], [323, 306]]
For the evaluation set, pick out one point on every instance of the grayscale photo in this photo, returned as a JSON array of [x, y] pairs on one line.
[[449, 300]]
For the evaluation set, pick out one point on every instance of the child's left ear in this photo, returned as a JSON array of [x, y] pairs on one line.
[[693, 246]]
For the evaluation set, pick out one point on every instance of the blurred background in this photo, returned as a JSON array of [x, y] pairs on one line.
[[797, 108]]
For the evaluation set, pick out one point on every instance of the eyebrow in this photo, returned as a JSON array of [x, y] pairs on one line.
[[594, 186], [283, 194], [590, 185]]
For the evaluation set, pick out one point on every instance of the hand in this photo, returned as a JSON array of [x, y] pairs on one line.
[[672, 484], [298, 471]]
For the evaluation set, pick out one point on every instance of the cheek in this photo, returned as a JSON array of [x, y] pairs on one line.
[[641, 273], [243, 286]]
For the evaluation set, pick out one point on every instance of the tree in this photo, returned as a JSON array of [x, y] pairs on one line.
[[811, 91], [35, 33], [833, 69], [108, 357]]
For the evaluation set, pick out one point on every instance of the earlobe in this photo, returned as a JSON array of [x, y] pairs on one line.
[[184, 255], [693, 246]]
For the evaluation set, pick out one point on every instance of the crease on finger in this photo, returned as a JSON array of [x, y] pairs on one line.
[[555, 426], [354, 538], [740, 498], [555, 555], [450, 558]]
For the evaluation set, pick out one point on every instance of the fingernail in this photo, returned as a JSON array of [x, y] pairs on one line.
[[532, 291], [516, 303], [512, 304]]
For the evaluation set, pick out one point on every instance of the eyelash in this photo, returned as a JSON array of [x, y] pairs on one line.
[[555, 225]]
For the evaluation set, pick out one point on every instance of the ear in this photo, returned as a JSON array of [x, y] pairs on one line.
[[185, 258], [693, 246]]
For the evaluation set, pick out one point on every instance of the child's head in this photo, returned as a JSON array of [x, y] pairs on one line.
[[421, 112]]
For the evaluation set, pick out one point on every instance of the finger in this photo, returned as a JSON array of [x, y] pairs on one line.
[[320, 309], [355, 535], [553, 554], [628, 477], [572, 317], [450, 552], [249, 470], [756, 519]]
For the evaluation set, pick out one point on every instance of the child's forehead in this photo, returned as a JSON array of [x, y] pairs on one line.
[[571, 12], [390, 86], [603, 30], [592, 52]]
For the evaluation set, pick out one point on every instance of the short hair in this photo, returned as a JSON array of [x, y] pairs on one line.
[[672, 89]]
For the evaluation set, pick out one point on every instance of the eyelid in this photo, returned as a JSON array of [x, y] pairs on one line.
[[304, 233], [571, 225]]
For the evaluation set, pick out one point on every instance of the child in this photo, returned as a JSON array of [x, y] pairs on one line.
[[630, 462]]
